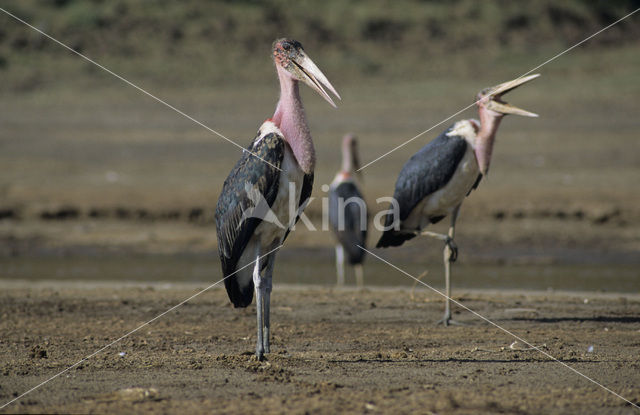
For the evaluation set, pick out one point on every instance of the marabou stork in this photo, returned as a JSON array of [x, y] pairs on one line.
[[282, 170], [435, 180], [348, 212]]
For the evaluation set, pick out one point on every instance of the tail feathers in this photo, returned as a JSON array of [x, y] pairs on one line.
[[393, 238], [239, 296]]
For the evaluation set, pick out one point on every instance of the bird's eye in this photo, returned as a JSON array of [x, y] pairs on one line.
[[287, 47]]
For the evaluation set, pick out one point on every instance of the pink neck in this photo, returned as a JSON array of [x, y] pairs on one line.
[[290, 119], [489, 123]]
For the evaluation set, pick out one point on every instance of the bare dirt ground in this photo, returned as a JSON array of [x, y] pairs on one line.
[[368, 351]]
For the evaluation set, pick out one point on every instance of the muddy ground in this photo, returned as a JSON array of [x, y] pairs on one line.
[[368, 351]]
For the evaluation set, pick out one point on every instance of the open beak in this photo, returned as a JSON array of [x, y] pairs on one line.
[[311, 75], [497, 104]]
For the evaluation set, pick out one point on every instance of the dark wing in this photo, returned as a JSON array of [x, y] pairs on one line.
[[351, 229], [305, 194], [427, 171], [234, 231]]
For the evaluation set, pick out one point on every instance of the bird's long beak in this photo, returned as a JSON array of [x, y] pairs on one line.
[[497, 104], [313, 76]]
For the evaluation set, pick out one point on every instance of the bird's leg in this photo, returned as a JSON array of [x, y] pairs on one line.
[[450, 254], [446, 319], [267, 303], [448, 240], [258, 284], [340, 264], [359, 275]]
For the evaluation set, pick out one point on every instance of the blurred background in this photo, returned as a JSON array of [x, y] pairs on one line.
[[100, 182]]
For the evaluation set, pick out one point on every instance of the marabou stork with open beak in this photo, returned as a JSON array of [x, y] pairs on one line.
[[435, 180], [277, 167], [348, 212]]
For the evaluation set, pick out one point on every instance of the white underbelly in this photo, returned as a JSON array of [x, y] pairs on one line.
[[443, 201], [271, 233]]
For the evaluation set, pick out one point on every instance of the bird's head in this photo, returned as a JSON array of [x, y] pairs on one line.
[[289, 55], [491, 109], [491, 98]]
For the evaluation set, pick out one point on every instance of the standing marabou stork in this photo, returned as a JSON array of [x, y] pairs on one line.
[[348, 212], [435, 180], [282, 170]]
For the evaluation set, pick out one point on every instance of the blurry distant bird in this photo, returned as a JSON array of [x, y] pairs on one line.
[[277, 167], [348, 212], [435, 180]]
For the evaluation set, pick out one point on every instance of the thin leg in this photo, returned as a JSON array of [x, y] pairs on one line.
[[359, 275], [340, 264], [267, 302], [446, 319], [450, 254], [258, 284], [448, 240]]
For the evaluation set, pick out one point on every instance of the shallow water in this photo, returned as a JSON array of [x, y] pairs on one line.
[[318, 269]]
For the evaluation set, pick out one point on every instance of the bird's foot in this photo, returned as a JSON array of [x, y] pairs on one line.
[[260, 352], [448, 321], [449, 243], [453, 249], [262, 349]]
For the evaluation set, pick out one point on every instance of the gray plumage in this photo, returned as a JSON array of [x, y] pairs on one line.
[[234, 231], [350, 233], [426, 172]]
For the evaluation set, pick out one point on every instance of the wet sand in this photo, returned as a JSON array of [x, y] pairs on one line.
[[369, 351]]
